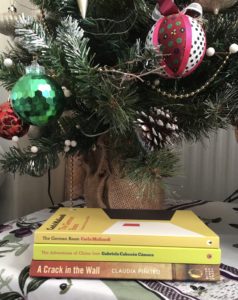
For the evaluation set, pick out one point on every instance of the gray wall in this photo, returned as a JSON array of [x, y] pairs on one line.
[[209, 168], [20, 195]]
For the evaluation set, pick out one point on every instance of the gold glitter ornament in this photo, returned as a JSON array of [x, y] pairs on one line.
[[216, 5], [7, 23]]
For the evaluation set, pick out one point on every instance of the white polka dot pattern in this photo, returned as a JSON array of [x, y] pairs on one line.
[[198, 46], [197, 51], [149, 38]]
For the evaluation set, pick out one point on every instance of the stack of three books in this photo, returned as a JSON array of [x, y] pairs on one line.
[[126, 244]]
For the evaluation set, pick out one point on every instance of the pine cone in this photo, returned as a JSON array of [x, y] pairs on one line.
[[156, 129]]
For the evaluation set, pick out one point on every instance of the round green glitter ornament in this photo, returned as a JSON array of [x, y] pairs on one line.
[[36, 97]]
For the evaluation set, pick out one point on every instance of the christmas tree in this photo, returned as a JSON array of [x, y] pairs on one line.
[[118, 83]]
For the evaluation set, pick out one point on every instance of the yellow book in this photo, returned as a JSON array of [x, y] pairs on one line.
[[181, 228], [126, 253]]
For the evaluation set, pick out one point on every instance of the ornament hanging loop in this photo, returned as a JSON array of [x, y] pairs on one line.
[[168, 7], [193, 10]]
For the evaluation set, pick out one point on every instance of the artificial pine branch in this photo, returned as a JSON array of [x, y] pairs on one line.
[[50, 5], [17, 53], [55, 64], [9, 76], [31, 35], [102, 60], [23, 161], [77, 54], [115, 107], [152, 167]]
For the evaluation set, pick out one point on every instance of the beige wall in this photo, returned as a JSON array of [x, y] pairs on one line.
[[20, 195]]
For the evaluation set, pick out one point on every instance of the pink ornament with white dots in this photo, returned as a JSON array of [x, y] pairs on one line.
[[181, 41]]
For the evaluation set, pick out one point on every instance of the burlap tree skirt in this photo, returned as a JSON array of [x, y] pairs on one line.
[[94, 178]]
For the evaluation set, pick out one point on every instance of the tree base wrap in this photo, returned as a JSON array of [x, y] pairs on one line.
[[94, 178]]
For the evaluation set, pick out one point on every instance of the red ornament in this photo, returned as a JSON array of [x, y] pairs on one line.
[[10, 124], [181, 40]]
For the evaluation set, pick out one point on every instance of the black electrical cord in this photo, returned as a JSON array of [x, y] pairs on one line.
[[49, 187]]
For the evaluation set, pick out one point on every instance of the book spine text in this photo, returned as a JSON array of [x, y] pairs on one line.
[[126, 253], [74, 237], [124, 270]]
